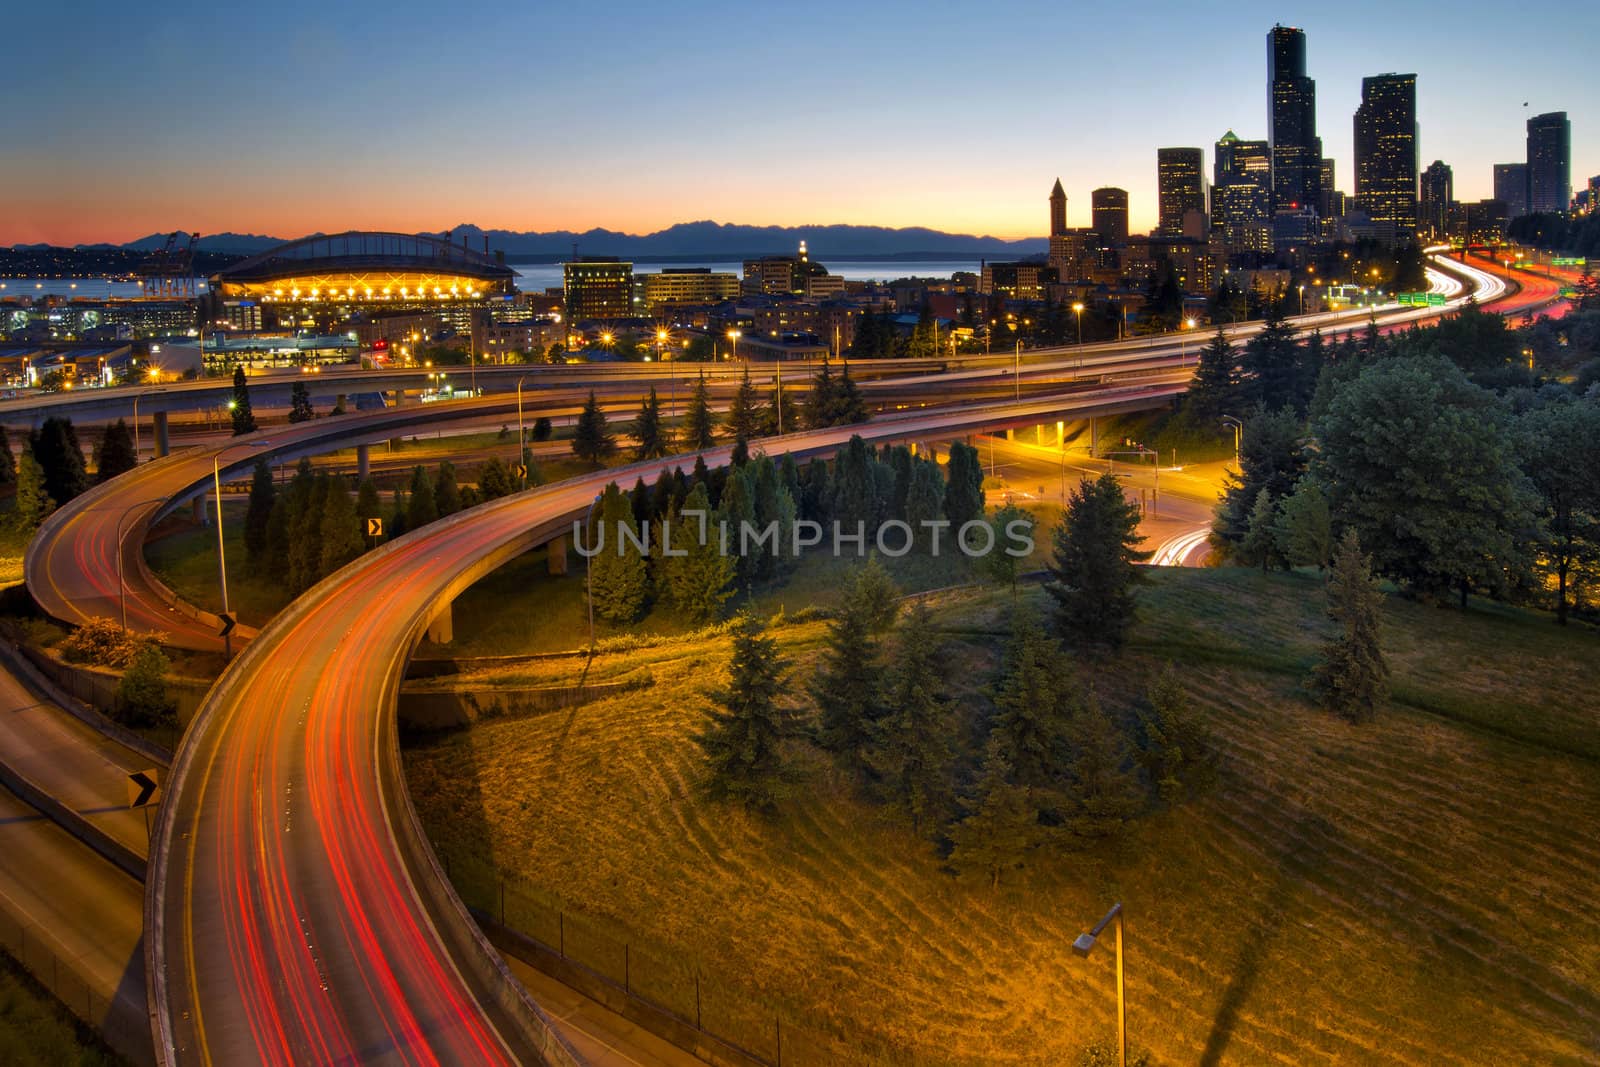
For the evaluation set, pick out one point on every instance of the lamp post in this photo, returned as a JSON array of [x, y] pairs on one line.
[[222, 558], [1083, 946], [1238, 429], [136, 397], [1077, 312], [522, 440], [1183, 343], [1016, 369], [1302, 299], [733, 335], [122, 588]]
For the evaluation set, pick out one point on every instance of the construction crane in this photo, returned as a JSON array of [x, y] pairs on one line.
[[168, 273]]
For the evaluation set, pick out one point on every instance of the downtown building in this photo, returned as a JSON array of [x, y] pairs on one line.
[[1109, 214], [1292, 127], [1181, 189], [597, 289], [1511, 187], [1241, 195], [1437, 201], [1386, 155], [1550, 162]]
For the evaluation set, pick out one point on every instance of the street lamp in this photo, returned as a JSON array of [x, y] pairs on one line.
[[1238, 429], [122, 588], [734, 335], [1183, 343], [1302, 299], [522, 440], [222, 558], [1083, 946], [1077, 311], [1016, 369]]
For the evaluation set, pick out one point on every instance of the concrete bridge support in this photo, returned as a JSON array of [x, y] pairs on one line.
[[441, 631], [363, 463], [557, 550], [163, 444]]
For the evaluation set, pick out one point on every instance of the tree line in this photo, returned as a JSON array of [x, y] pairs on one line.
[[51, 470]]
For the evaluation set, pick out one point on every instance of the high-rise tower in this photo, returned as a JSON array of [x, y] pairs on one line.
[[1386, 154], [1058, 210], [1438, 192], [1181, 186], [1109, 207], [1292, 127], [1549, 162]]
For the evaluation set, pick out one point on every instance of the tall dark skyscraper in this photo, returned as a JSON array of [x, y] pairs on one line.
[[1549, 162], [1058, 210], [1110, 208], [1292, 130], [1386, 154], [1511, 187], [1438, 191], [1180, 186]]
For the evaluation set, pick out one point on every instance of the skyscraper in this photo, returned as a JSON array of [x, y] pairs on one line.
[[1058, 210], [1241, 199], [1242, 159], [1511, 187], [1110, 214], [1549, 162], [1438, 190], [1386, 154], [1292, 130], [1181, 187]]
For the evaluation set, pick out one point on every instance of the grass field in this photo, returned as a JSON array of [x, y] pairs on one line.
[[1419, 890], [36, 1031]]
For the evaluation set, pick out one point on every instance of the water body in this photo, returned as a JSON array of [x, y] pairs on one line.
[[531, 277]]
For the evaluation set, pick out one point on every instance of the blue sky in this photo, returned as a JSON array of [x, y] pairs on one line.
[[122, 119]]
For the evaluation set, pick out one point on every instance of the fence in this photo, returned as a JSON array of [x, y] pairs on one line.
[[654, 986], [120, 1020]]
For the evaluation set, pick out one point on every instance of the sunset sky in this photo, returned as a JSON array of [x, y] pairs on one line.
[[125, 119]]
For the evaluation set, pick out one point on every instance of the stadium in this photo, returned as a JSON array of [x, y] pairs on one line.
[[366, 268]]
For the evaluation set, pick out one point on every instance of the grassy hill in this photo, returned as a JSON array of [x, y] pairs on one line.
[[1421, 889]]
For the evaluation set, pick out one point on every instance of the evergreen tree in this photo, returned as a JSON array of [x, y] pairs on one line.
[[1353, 678], [591, 439], [963, 492], [899, 458], [244, 419], [34, 503], [925, 501], [701, 581], [700, 423], [1102, 792], [1001, 825], [142, 697], [421, 507], [1304, 534], [1271, 367], [542, 429], [8, 461], [1094, 564], [816, 492], [305, 540], [1176, 749], [821, 401], [1035, 700], [342, 532], [55, 446], [114, 455], [618, 581], [782, 401], [300, 409], [1261, 537], [743, 741], [912, 750], [639, 502], [847, 688], [855, 497], [1560, 448], [651, 435], [873, 594], [1001, 567], [848, 406], [495, 480], [1272, 456], [368, 504], [736, 512], [446, 490], [1214, 392], [257, 517], [744, 413], [773, 507]]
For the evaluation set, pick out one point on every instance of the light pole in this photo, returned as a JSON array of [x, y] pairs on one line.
[[1077, 313], [122, 589], [1238, 429], [1016, 369], [222, 558], [136, 397], [1302, 299], [733, 335], [522, 440], [1083, 946], [1183, 344]]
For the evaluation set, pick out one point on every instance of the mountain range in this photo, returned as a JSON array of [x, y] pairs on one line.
[[688, 240]]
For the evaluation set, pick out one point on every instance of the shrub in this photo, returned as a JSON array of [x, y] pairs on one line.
[[103, 643]]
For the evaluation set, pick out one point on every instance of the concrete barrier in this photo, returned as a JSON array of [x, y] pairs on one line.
[[97, 687], [448, 709], [19, 660]]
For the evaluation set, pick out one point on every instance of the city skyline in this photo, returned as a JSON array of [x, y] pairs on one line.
[[214, 137]]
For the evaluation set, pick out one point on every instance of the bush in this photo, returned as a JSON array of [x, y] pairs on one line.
[[142, 698], [103, 643]]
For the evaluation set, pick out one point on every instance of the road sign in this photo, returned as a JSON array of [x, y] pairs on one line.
[[143, 787], [228, 623], [520, 470], [374, 527]]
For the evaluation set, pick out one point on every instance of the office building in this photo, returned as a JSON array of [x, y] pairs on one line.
[[1486, 222], [1438, 190], [777, 275], [1018, 281], [1181, 188], [1110, 214], [1241, 199], [1242, 159], [1511, 187], [1058, 209], [598, 288], [1292, 129], [683, 285], [1386, 154], [1549, 162]]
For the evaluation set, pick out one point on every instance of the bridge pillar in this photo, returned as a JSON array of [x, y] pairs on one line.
[[1011, 434], [162, 444], [199, 511], [557, 550], [1094, 437], [363, 463], [441, 631], [1038, 434]]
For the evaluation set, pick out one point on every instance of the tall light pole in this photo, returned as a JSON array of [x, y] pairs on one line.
[[1083, 946], [136, 397], [1302, 299], [1238, 429], [1016, 369], [522, 440], [733, 335], [222, 557], [1183, 345], [1077, 312], [122, 588]]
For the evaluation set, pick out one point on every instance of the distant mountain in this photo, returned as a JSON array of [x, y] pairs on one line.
[[687, 240]]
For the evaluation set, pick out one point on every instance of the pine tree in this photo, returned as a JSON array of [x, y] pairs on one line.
[[257, 516], [855, 497], [848, 406], [114, 455], [305, 537], [1094, 564], [342, 531], [873, 594], [1260, 539], [618, 580], [142, 697], [368, 504], [701, 581], [737, 511], [55, 446], [963, 492], [421, 508], [1271, 365], [744, 413], [911, 751], [821, 401], [8, 461], [300, 409], [446, 490], [1176, 749], [700, 423], [1035, 700], [925, 500], [244, 419], [1001, 826], [999, 565], [816, 492], [495, 480], [652, 437], [743, 741], [34, 503], [542, 430], [1102, 793], [1214, 392], [591, 439], [847, 688], [1353, 678], [1304, 533]]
